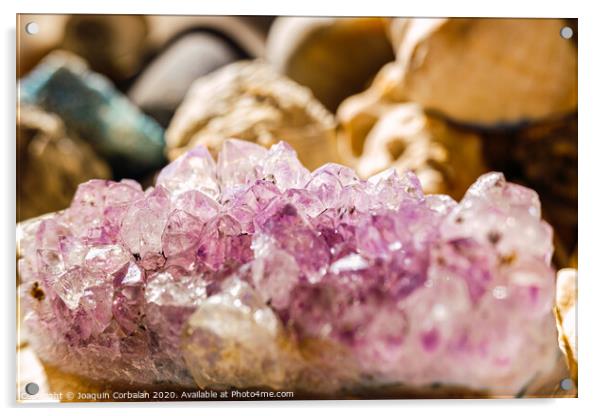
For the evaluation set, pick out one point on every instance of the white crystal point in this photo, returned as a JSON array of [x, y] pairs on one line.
[[144, 222], [345, 175], [237, 163], [174, 288], [494, 188], [389, 188], [274, 273], [71, 285], [234, 339], [106, 259], [194, 170], [283, 168]]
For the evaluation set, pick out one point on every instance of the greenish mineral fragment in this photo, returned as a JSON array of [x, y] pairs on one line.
[[95, 110]]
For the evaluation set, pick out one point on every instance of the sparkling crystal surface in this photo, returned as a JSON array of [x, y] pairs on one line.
[[253, 271]]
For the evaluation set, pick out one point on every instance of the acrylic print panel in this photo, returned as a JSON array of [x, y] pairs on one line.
[[281, 208]]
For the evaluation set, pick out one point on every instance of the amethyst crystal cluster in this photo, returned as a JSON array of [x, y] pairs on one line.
[[253, 271]]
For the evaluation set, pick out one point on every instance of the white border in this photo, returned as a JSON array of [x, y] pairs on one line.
[[590, 207]]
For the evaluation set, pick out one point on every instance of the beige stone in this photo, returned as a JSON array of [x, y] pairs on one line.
[[487, 71], [32, 48], [334, 57], [248, 100], [445, 159], [360, 112], [566, 316]]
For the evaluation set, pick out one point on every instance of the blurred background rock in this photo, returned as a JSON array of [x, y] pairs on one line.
[[50, 163], [249, 100], [487, 72], [92, 108], [192, 55], [334, 57], [94, 76], [448, 98]]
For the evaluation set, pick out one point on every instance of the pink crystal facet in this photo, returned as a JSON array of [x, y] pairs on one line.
[[408, 288]]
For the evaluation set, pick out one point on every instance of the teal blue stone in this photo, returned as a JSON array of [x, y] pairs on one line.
[[97, 112]]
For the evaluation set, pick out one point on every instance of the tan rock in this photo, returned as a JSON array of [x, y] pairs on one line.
[[487, 71], [31, 48], [334, 57], [248, 100], [358, 113], [114, 45], [445, 159], [50, 163], [566, 317]]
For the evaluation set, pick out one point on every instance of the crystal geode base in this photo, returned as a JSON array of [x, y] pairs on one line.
[[253, 271]]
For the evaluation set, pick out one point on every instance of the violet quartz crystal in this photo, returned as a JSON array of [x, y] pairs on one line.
[[252, 271]]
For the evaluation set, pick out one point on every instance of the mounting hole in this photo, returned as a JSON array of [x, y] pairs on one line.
[[566, 384], [566, 32], [32, 389], [32, 28]]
